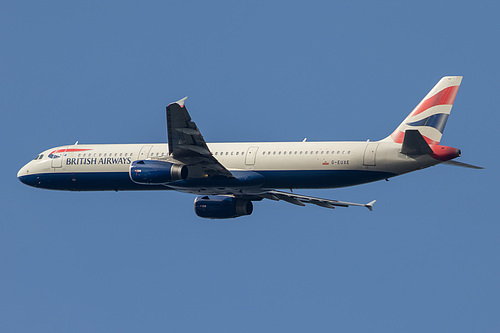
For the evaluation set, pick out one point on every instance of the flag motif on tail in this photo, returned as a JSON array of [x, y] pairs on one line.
[[431, 114]]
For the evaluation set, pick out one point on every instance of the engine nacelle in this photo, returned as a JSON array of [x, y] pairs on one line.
[[221, 207], [152, 172]]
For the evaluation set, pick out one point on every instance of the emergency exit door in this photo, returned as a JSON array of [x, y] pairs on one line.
[[370, 156], [251, 153]]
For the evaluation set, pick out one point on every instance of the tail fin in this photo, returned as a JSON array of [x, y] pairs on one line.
[[431, 114]]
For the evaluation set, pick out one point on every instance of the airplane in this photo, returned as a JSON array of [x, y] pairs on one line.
[[229, 177]]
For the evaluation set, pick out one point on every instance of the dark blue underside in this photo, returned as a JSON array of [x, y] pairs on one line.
[[321, 178], [120, 181]]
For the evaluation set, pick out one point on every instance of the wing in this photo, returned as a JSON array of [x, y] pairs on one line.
[[187, 145], [301, 200]]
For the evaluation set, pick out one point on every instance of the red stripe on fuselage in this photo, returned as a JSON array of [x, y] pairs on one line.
[[70, 150]]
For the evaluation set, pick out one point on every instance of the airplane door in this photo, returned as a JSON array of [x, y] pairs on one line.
[[144, 153], [251, 153], [57, 158], [370, 154]]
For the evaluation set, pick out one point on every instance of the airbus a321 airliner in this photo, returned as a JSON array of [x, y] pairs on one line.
[[228, 177]]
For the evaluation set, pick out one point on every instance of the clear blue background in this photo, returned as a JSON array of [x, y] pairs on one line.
[[426, 259]]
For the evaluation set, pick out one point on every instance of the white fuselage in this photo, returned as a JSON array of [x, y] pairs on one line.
[[278, 164], [228, 176]]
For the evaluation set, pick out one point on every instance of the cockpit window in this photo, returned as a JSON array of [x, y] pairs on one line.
[[39, 157]]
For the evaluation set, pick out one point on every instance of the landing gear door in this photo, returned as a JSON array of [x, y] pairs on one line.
[[251, 153], [144, 153], [369, 158]]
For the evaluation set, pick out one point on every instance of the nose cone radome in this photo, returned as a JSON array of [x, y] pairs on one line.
[[25, 176], [23, 171], [444, 153]]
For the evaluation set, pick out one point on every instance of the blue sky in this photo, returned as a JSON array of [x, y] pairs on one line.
[[427, 257]]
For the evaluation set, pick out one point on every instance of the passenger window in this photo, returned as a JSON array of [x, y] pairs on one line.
[[305, 152], [227, 152]]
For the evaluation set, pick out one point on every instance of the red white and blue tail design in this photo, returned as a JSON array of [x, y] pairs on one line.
[[431, 114]]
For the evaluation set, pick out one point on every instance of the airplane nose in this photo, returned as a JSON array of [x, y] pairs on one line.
[[25, 177], [22, 172]]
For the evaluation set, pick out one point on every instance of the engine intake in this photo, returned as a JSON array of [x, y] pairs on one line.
[[221, 207], [151, 172]]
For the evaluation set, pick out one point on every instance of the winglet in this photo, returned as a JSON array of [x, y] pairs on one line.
[[180, 102], [370, 205]]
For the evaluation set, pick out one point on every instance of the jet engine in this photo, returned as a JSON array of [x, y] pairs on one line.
[[221, 207], [152, 172]]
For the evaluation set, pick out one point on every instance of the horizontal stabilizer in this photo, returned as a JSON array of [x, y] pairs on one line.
[[463, 165], [415, 144]]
